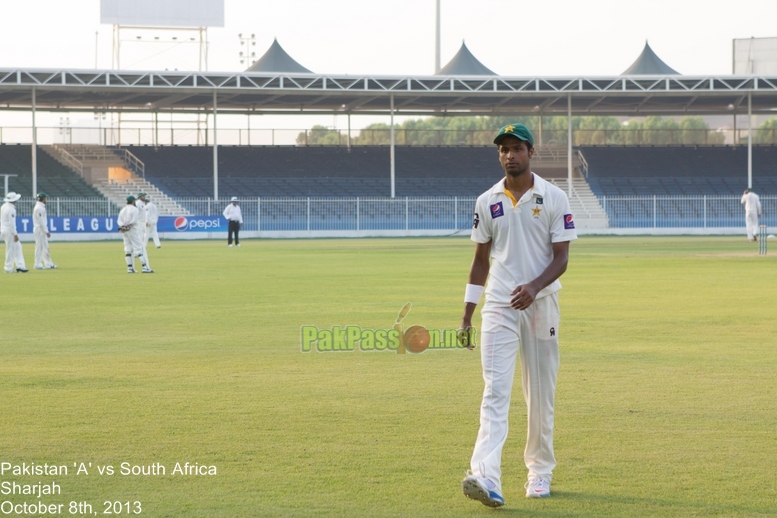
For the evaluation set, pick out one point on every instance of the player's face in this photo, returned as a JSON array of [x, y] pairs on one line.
[[514, 155]]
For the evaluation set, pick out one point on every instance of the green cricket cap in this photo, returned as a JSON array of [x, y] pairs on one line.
[[516, 130], [130, 199], [141, 194], [42, 195]]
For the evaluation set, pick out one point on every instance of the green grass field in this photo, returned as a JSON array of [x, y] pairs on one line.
[[666, 402]]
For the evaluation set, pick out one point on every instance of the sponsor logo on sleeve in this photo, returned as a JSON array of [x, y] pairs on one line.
[[476, 221], [497, 210], [569, 222]]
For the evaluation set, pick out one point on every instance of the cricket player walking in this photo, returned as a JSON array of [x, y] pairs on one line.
[[132, 231], [40, 229], [752, 204], [140, 204], [522, 229], [13, 247], [152, 218]]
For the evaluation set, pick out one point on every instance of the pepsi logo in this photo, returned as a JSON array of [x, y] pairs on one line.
[[181, 223], [569, 222]]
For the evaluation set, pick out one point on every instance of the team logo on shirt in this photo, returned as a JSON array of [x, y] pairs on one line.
[[536, 211], [497, 210], [569, 223], [476, 221], [539, 200]]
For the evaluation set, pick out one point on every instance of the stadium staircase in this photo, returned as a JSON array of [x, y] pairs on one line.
[[588, 212], [115, 173], [551, 163]]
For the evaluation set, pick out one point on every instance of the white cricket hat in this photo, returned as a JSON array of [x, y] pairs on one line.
[[234, 198], [12, 196]]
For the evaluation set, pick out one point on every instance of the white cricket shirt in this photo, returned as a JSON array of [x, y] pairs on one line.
[[127, 216], [233, 213], [752, 203], [521, 235], [39, 217], [152, 214], [141, 206], [8, 218]]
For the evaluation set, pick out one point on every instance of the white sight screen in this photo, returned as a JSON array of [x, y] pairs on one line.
[[163, 13], [755, 56]]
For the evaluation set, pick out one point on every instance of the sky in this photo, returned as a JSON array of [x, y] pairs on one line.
[[396, 37]]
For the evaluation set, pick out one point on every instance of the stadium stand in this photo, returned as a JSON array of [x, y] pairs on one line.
[[54, 179], [324, 171], [678, 170], [321, 171]]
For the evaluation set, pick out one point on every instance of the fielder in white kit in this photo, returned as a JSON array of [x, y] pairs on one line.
[[140, 204], [14, 258], [752, 204], [40, 229], [522, 227], [152, 218], [132, 232]]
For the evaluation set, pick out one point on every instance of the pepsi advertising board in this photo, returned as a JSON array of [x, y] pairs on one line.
[[192, 224], [102, 224]]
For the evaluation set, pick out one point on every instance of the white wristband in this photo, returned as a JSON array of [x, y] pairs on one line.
[[473, 293]]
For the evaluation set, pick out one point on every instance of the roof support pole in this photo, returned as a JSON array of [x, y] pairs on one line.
[[569, 144], [393, 170], [349, 130], [540, 130], [750, 140], [215, 150], [34, 149], [437, 40]]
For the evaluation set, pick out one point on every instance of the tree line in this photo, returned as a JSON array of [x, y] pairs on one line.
[[592, 130]]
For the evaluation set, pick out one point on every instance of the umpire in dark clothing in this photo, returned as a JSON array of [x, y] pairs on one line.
[[235, 218]]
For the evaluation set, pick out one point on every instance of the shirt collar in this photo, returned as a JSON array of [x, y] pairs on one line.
[[538, 189]]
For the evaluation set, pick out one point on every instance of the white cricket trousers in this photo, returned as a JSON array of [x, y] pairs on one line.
[[42, 255], [13, 253], [534, 333], [152, 233], [751, 221], [133, 246]]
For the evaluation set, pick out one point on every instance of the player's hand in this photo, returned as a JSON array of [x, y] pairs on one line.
[[48, 234], [523, 296], [464, 333], [15, 239]]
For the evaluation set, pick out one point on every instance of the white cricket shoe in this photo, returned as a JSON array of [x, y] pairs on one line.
[[237, 246], [537, 487], [482, 489], [230, 246]]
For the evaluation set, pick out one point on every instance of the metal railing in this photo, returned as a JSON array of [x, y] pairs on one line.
[[338, 214], [683, 211], [440, 213], [69, 159], [69, 207], [135, 164], [181, 135]]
